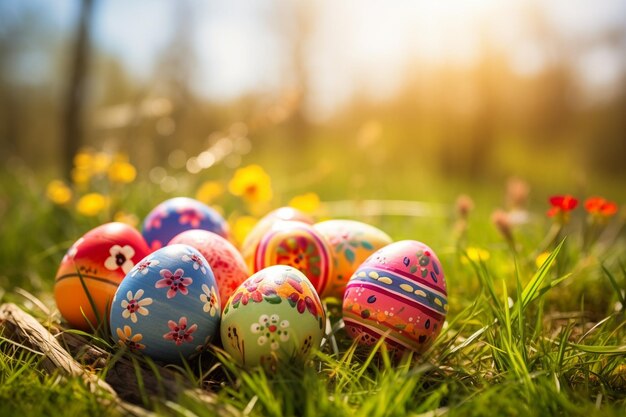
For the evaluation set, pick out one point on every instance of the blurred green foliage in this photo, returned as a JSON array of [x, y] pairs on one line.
[[479, 122]]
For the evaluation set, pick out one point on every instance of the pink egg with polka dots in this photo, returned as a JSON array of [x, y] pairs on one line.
[[228, 266]]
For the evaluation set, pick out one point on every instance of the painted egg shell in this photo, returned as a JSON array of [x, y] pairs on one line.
[[102, 257], [400, 289], [273, 316], [228, 266], [176, 215], [299, 245], [252, 239], [351, 243], [167, 307]]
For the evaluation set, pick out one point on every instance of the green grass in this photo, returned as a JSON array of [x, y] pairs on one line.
[[25, 390], [519, 339]]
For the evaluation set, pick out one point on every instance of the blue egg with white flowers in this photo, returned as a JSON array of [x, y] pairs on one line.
[[167, 306]]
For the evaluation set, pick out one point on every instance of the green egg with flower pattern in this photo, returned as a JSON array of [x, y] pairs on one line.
[[274, 316]]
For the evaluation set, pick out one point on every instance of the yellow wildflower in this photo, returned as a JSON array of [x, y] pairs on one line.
[[58, 192], [252, 184], [541, 258], [83, 159], [91, 204], [308, 203], [83, 167], [122, 172], [209, 191], [242, 227], [81, 176], [476, 255]]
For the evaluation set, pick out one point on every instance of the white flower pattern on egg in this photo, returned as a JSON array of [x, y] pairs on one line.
[[209, 298], [142, 267], [197, 262], [121, 257], [271, 330], [134, 304]]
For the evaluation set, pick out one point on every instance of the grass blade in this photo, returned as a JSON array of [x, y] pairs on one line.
[[615, 285], [603, 350], [532, 289]]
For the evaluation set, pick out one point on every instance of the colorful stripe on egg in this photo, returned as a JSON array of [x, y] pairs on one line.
[[399, 293], [404, 289], [376, 310], [298, 245]]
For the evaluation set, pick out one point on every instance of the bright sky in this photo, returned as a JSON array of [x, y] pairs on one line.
[[240, 44]]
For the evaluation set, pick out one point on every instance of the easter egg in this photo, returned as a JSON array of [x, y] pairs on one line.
[[176, 215], [400, 292], [167, 307], [273, 316], [92, 268], [299, 245], [227, 264], [252, 239], [351, 243]]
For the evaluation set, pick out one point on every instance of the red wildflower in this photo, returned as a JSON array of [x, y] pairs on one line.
[[562, 204], [598, 206]]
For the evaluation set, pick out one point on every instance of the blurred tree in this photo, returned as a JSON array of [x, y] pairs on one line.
[[29, 47], [9, 100], [76, 93]]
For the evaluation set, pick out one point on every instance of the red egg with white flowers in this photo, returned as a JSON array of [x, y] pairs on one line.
[[92, 269]]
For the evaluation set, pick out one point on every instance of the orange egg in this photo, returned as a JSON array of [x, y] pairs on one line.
[[92, 269]]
